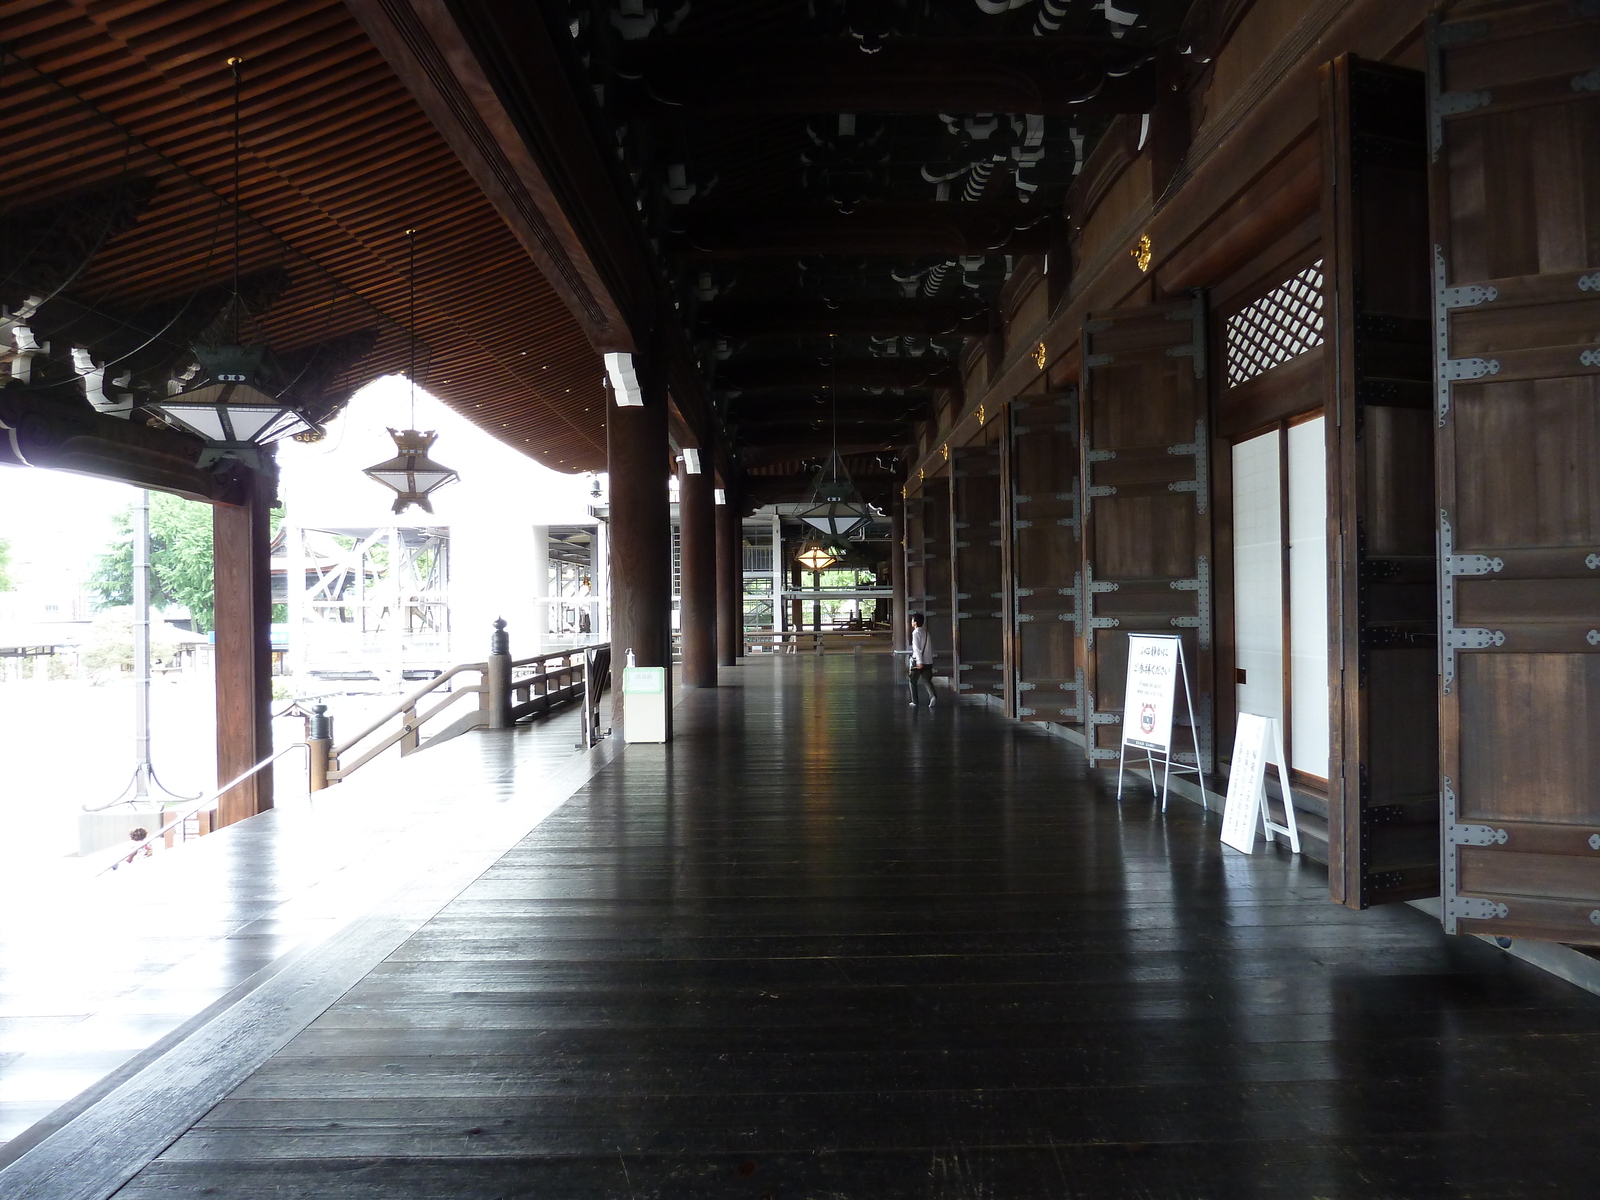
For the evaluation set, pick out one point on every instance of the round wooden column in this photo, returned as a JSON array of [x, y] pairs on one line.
[[243, 656], [899, 613], [697, 576], [730, 582], [640, 533]]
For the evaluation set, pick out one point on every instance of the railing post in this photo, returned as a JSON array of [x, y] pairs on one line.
[[412, 738], [498, 676], [319, 737]]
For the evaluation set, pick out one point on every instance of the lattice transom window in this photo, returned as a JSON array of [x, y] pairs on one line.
[[1283, 324]]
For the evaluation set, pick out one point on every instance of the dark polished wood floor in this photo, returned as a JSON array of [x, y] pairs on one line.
[[827, 946]]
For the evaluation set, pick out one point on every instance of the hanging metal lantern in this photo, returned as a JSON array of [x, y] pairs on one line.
[[841, 511], [411, 474], [231, 410], [814, 556]]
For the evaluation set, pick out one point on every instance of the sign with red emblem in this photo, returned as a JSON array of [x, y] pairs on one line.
[[1153, 665]]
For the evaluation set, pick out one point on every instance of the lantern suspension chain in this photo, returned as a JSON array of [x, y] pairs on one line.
[[411, 316], [237, 64]]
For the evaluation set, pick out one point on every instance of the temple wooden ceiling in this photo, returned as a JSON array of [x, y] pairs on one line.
[[833, 194], [116, 191], [840, 189]]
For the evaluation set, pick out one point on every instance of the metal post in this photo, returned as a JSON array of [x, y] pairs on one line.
[[497, 678], [141, 646]]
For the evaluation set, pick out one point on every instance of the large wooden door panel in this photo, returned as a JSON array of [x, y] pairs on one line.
[[979, 594], [1046, 558], [1146, 487], [1383, 784], [1516, 230]]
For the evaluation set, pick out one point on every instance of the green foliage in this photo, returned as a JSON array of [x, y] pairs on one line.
[[180, 559], [5, 561]]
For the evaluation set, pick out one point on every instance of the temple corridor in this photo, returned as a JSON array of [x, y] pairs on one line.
[[827, 945]]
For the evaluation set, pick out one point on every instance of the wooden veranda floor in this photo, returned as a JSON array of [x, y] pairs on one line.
[[828, 946]]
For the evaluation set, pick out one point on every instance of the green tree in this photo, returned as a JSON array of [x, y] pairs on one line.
[[5, 562], [180, 559]]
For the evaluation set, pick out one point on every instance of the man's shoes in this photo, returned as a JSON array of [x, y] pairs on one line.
[[931, 702], [913, 704]]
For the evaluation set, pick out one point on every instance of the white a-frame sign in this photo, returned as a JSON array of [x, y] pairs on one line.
[[1247, 786], [1155, 664]]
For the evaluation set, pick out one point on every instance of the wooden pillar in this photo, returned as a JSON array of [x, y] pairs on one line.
[[243, 616], [730, 582], [640, 533], [697, 526], [899, 613]]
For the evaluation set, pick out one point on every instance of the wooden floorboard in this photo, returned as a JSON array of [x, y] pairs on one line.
[[825, 946]]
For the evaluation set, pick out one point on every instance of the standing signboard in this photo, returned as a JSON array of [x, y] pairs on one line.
[[1247, 786], [1155, 665]]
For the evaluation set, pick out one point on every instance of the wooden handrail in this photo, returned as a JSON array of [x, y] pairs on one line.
[[411, 701]]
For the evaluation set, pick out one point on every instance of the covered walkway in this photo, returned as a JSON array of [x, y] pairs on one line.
[[826, 945]]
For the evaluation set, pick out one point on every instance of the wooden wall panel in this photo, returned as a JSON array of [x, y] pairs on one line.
[[1515, 150], [1046, 558], [978, 613], [1383, 798], [1145, 454]]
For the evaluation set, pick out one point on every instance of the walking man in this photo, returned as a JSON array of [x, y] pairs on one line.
[[921, 659]]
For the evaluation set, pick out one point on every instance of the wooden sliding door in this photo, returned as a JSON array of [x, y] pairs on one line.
[[978, 596], [1515, 153], [1147, 529], [1383, 777], [1046, 558]]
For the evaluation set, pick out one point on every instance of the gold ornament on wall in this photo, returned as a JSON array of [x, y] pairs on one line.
[[945, 450], [1039, 356], [1141, 253], [980, 416]]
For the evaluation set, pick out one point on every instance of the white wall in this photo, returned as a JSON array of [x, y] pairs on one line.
[[491, 514]]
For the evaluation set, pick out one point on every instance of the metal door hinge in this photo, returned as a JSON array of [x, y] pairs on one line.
[[1470, 564], [1024, 591], [1105, 718], [1027, 712], [1469, 368], [1101, 585], [1103, 622], [1592, 562], [1026, 686], [1589, 358], [1098, 360], [1468, 295], [1475, 908], [1101, 489], [1589, 283], [1022, 617], [1589, 81], [1473, 639], [1453, 104], [1475, 835], [1095, 456], [1022, 525], [1592, 637]]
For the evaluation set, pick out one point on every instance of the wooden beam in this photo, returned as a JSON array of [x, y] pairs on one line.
[[855, 316], [899, 229], [904, 373], [535, 194], [741, 76]]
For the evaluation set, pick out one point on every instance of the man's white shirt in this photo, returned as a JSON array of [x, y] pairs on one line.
[[921, 648]]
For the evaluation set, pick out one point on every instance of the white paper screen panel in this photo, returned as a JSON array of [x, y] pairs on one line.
[[1308, 596], [1258, 575]]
